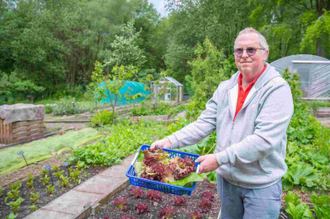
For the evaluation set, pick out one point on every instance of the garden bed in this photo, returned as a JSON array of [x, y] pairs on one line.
[[44, 197], [192, 204]]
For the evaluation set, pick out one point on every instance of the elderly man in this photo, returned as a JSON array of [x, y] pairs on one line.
[[250, 114]]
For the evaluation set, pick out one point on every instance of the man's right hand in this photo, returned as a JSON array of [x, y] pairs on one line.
[[164, 143]]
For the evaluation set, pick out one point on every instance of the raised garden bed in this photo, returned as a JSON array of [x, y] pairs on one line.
[[191, 204], [44, 197]]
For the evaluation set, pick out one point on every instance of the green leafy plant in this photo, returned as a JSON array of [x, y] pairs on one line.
[[295, 208], [76, 176], [321, 205], [33, 207], [59, 174], [1, 190], [55, 168], [45, 180], [15, 205], [30, 181], [123, 141], [50, 189], [13, 194], [48, 109], [11, 216], [103, 118], [15, 186], [44, 172], [34, 198], [65, 182]]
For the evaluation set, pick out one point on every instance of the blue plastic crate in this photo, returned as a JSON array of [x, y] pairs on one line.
[[156, 185]]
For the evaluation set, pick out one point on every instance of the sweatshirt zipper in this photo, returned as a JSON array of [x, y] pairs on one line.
[[230, 165]]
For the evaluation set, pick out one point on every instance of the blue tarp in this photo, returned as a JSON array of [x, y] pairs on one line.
[[135, 87]]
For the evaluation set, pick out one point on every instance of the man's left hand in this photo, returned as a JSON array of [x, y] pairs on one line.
[[208, 163]]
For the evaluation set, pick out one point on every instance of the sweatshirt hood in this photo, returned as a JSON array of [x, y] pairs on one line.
[[269, 73]]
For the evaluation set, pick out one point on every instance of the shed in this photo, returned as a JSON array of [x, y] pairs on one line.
[[314, 73], [169, 88]]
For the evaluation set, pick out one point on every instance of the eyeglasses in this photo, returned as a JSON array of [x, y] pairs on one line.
[[250, 51]]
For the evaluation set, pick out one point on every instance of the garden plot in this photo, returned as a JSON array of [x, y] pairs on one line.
[[43, 149]]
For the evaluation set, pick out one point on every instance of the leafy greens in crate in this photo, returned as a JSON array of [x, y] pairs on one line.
[[156, 164]]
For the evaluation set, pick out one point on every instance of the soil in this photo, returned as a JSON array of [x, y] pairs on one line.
[[192, 204], [34, 169], [44, 197]]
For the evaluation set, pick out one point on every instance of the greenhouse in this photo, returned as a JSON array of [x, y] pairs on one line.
[[168, 89], [129, 88], [314, 73]]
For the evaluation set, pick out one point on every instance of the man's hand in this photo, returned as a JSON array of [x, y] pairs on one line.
[[164, 143], [208, 163]]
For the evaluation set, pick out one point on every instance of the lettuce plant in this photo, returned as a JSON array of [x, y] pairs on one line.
[[296, 209], [141, 208], [1, 190], [120, 204], [167, 212], [179, 200], [321, 205], [154, 196], [156, 165], [208, 195], [196, 215], [205, 205], [137, 192]]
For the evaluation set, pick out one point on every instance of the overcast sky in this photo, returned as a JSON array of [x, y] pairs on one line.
[[160, 6]]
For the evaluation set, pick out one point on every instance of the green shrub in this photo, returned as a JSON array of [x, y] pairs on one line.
[[103, 118], [48, 109], [155, 109]]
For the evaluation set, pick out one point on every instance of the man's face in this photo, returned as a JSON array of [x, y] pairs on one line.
[[250, 65]]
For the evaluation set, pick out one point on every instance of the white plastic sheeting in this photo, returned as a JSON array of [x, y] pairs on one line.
[[314, 73]]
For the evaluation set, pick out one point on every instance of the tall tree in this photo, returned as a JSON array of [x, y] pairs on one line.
[[293, 26], [194, 20]]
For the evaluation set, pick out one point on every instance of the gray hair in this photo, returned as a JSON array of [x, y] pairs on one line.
[[262, 41]]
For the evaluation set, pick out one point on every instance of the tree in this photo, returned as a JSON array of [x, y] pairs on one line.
[[14, 87], [207, 72], [125, 50], [116, 81], [113, 82], [193, 21], [293, 26]]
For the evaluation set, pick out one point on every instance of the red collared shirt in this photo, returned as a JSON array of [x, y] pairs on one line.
[[243, 94]]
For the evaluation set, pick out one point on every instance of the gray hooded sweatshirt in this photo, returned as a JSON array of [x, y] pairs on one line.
[[251, 149]]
